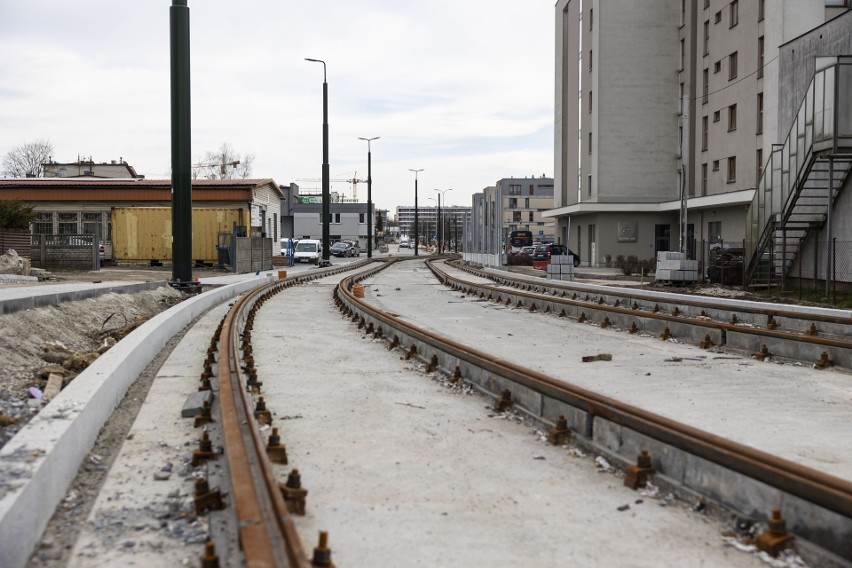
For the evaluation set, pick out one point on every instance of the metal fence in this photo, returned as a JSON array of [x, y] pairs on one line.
[[817, 265]]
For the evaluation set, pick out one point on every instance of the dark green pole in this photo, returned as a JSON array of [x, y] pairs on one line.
[[369, 196], [416, 214], [181, 161], [326, 193]]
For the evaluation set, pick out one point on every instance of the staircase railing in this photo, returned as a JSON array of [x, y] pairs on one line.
[[820, 127]]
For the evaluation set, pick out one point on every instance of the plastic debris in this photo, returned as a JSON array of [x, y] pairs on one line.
[[35, 392], [603, 465]]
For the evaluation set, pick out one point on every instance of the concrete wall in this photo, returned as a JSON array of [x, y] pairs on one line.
[[796, 62], [565, 114], [634, 123]]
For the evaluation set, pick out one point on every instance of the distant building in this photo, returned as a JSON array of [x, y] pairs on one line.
[[302, 216], [512, 204], [453, 217], [88, 168]]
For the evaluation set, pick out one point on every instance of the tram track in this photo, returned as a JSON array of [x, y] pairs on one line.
[[820, 504], [814, 336]]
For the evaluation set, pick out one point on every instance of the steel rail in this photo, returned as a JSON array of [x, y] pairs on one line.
[[266, 533], [829, 492], [834, 342], [707, 301]]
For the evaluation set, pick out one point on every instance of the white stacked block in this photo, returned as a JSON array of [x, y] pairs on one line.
[[670, 255], [562, 259], [683, 264]]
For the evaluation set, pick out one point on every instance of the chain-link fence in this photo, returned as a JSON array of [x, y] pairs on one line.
[[811, 266]]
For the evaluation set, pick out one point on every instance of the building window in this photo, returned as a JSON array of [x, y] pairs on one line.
[[759, 113], [715, 165], [530, 218], [706, 37], [590, 101], [704, 128], [760, 10], [703, 179], [43, 224], [362, 218], [526, 203], [590, 60], [514, 190], [735, 13], [590, 143], [760, 57], [717, 115], [732, 169], [532, 189], [732, 118], [706, 86], [732, 66], [591, 18], [68, 223], [706, 4], [718, 17], [516, 216], [590, 184], [717, 66], [91, 222], [758, 158], [513, 203]]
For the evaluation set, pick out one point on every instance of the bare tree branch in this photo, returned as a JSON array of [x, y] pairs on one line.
[[223, 163], [28, 159]]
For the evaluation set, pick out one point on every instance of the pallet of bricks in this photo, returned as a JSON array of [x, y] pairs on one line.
[[561, 267]]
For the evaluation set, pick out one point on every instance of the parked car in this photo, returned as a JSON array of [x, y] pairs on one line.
[[404, 244], [545, 251], [356, 248], [528, 251], [341, 248], [308, 250]]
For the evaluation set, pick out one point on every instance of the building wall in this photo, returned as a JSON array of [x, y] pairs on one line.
[[796, 62], [566, 110]]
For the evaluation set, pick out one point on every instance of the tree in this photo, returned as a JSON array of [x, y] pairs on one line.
[[15, 215], [223, 163], [28, 159]]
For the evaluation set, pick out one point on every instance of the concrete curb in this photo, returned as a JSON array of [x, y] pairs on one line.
[[38, 465], [37, 299]]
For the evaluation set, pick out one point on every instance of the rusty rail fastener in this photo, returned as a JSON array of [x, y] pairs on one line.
[[322, 553], [763, 354], [412, 352], [204, 451], [457, 376], [261, 413], [559, 434], [582, 318], [206, 499], [276, 451], [605, 323], [706, 343], [636, 476], [204, 417], [433, 364], [633, 329], [503, 403], [776, 538], [209, 559], [667, 334], [823, 362], [293, 493]]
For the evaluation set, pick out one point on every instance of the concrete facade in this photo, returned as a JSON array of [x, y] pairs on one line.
[[679, 98], [427, 220]]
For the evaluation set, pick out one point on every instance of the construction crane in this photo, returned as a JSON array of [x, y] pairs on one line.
[[353, 180]]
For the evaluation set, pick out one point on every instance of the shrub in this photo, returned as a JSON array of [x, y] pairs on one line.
[[628, 266], [15, 215]]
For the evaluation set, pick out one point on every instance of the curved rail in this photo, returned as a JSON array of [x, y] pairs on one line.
[[825, 491]]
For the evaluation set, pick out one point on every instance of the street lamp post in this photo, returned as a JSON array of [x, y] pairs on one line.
[[440, 225], [326, 195], [416, 214], [369, 196]]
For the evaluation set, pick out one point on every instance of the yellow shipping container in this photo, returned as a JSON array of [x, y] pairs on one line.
[[145, 233]]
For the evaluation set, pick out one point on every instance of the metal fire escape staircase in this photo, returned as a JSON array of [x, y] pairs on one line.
[[803, 176]]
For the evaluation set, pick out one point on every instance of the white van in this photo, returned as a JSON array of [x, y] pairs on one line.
[[308, 250]]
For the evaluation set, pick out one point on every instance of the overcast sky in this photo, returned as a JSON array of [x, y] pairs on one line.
[[460, 88]]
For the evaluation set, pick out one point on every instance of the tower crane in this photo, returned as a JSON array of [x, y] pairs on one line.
[[353, 180]]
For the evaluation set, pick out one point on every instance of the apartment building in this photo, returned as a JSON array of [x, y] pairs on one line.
[[664, 109], [452, 216], [512, 204]]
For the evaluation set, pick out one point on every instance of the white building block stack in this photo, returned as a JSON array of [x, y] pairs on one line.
[[675, 267], [561, 267]]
